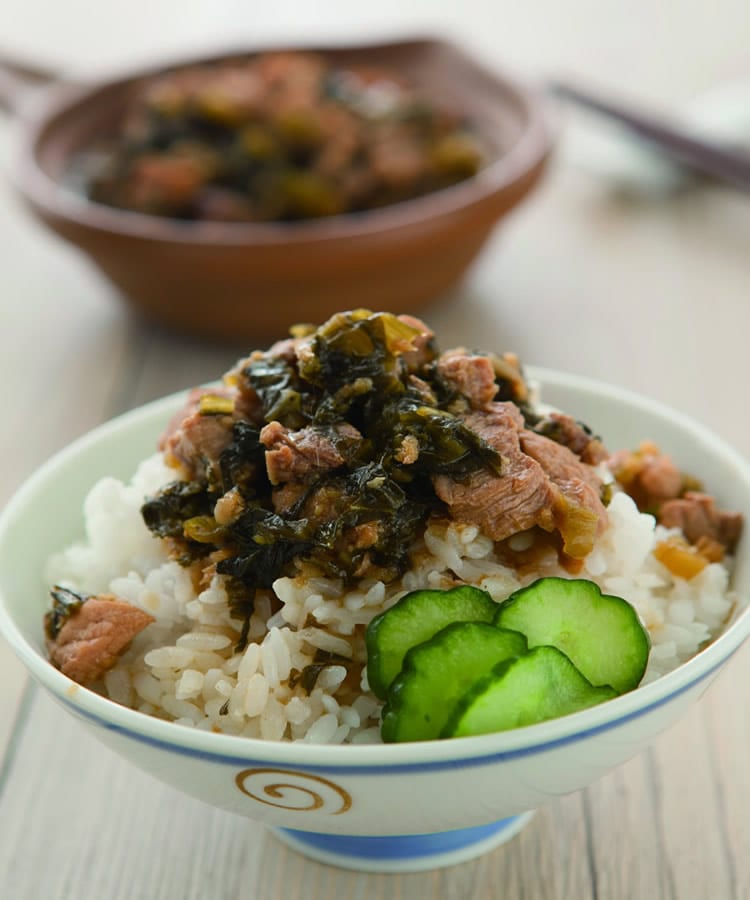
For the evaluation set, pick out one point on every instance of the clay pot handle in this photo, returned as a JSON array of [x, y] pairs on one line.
[[18, 80]]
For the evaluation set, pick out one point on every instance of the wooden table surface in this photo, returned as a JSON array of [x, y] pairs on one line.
[[652, 295]]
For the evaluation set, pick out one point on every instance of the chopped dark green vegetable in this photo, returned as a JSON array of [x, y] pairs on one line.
[[265, 542], [242, 605], [308, 677], [357, 345], [262, 556], [284, 395], [64, 603], [278, 136], [165, 514], [349, 384], [204, 530], [241, 463], [446, 445], [216, 405]]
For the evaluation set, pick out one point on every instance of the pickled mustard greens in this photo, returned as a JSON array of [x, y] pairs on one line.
[[353, 387], [64, 603], [178, 503], [555, 647], [276, 137]]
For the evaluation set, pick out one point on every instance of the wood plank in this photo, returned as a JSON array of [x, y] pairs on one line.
[[548, 860], [13, 681], [689, 810], [95, 822], [624, 842], [728, 731], [65, 343], [659, 824], [173, 362]]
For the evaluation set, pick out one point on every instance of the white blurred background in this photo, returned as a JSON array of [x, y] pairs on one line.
[[635, 268], [663, 51]]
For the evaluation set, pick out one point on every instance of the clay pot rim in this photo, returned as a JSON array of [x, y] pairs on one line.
[[54, 200]]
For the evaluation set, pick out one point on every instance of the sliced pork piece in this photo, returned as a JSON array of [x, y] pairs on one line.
[[564, 429], [286, 495], [510, 378], [193, 441], [191, 406], [424, 351], [228, 507], [341, 138], [161, 184], [93, 637], [472, 375], [503, 505], [579, 513], [294, 455], [200, 442], [560, 463], [247, 403], [648, 475], [699, 517], [422, 390], [542, 484], [397, 161], [286, 349], [660, 479]]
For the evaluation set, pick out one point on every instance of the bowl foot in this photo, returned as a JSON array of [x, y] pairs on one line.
[[402, 853]]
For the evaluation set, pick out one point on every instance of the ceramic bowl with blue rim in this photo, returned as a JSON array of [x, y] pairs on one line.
[[392, 807]]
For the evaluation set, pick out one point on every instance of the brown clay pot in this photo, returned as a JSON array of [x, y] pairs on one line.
[[249, 281]]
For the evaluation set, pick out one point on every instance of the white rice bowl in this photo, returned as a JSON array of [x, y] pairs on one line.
[[184, 668]]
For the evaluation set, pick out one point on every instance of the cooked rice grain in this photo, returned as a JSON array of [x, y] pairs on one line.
[[184, 667]]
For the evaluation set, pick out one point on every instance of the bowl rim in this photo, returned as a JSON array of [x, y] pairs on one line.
[[379, 758], [524, 160]]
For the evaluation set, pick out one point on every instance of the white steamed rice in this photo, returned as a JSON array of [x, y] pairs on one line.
[[183, 667]]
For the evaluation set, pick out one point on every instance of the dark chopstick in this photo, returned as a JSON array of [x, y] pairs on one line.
[[723, 163]]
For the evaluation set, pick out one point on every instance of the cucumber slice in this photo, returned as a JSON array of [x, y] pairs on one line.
[[543, 684], [601, 635], [437, 673], [415, 619]]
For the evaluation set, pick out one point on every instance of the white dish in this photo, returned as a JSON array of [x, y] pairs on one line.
[[375, 807]]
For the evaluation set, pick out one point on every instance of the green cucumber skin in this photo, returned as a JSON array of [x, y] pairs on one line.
[[600, 633], [416, 618], [437, 674], [544, 684]]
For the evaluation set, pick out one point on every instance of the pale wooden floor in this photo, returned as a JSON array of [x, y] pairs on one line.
[[655, 297]]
